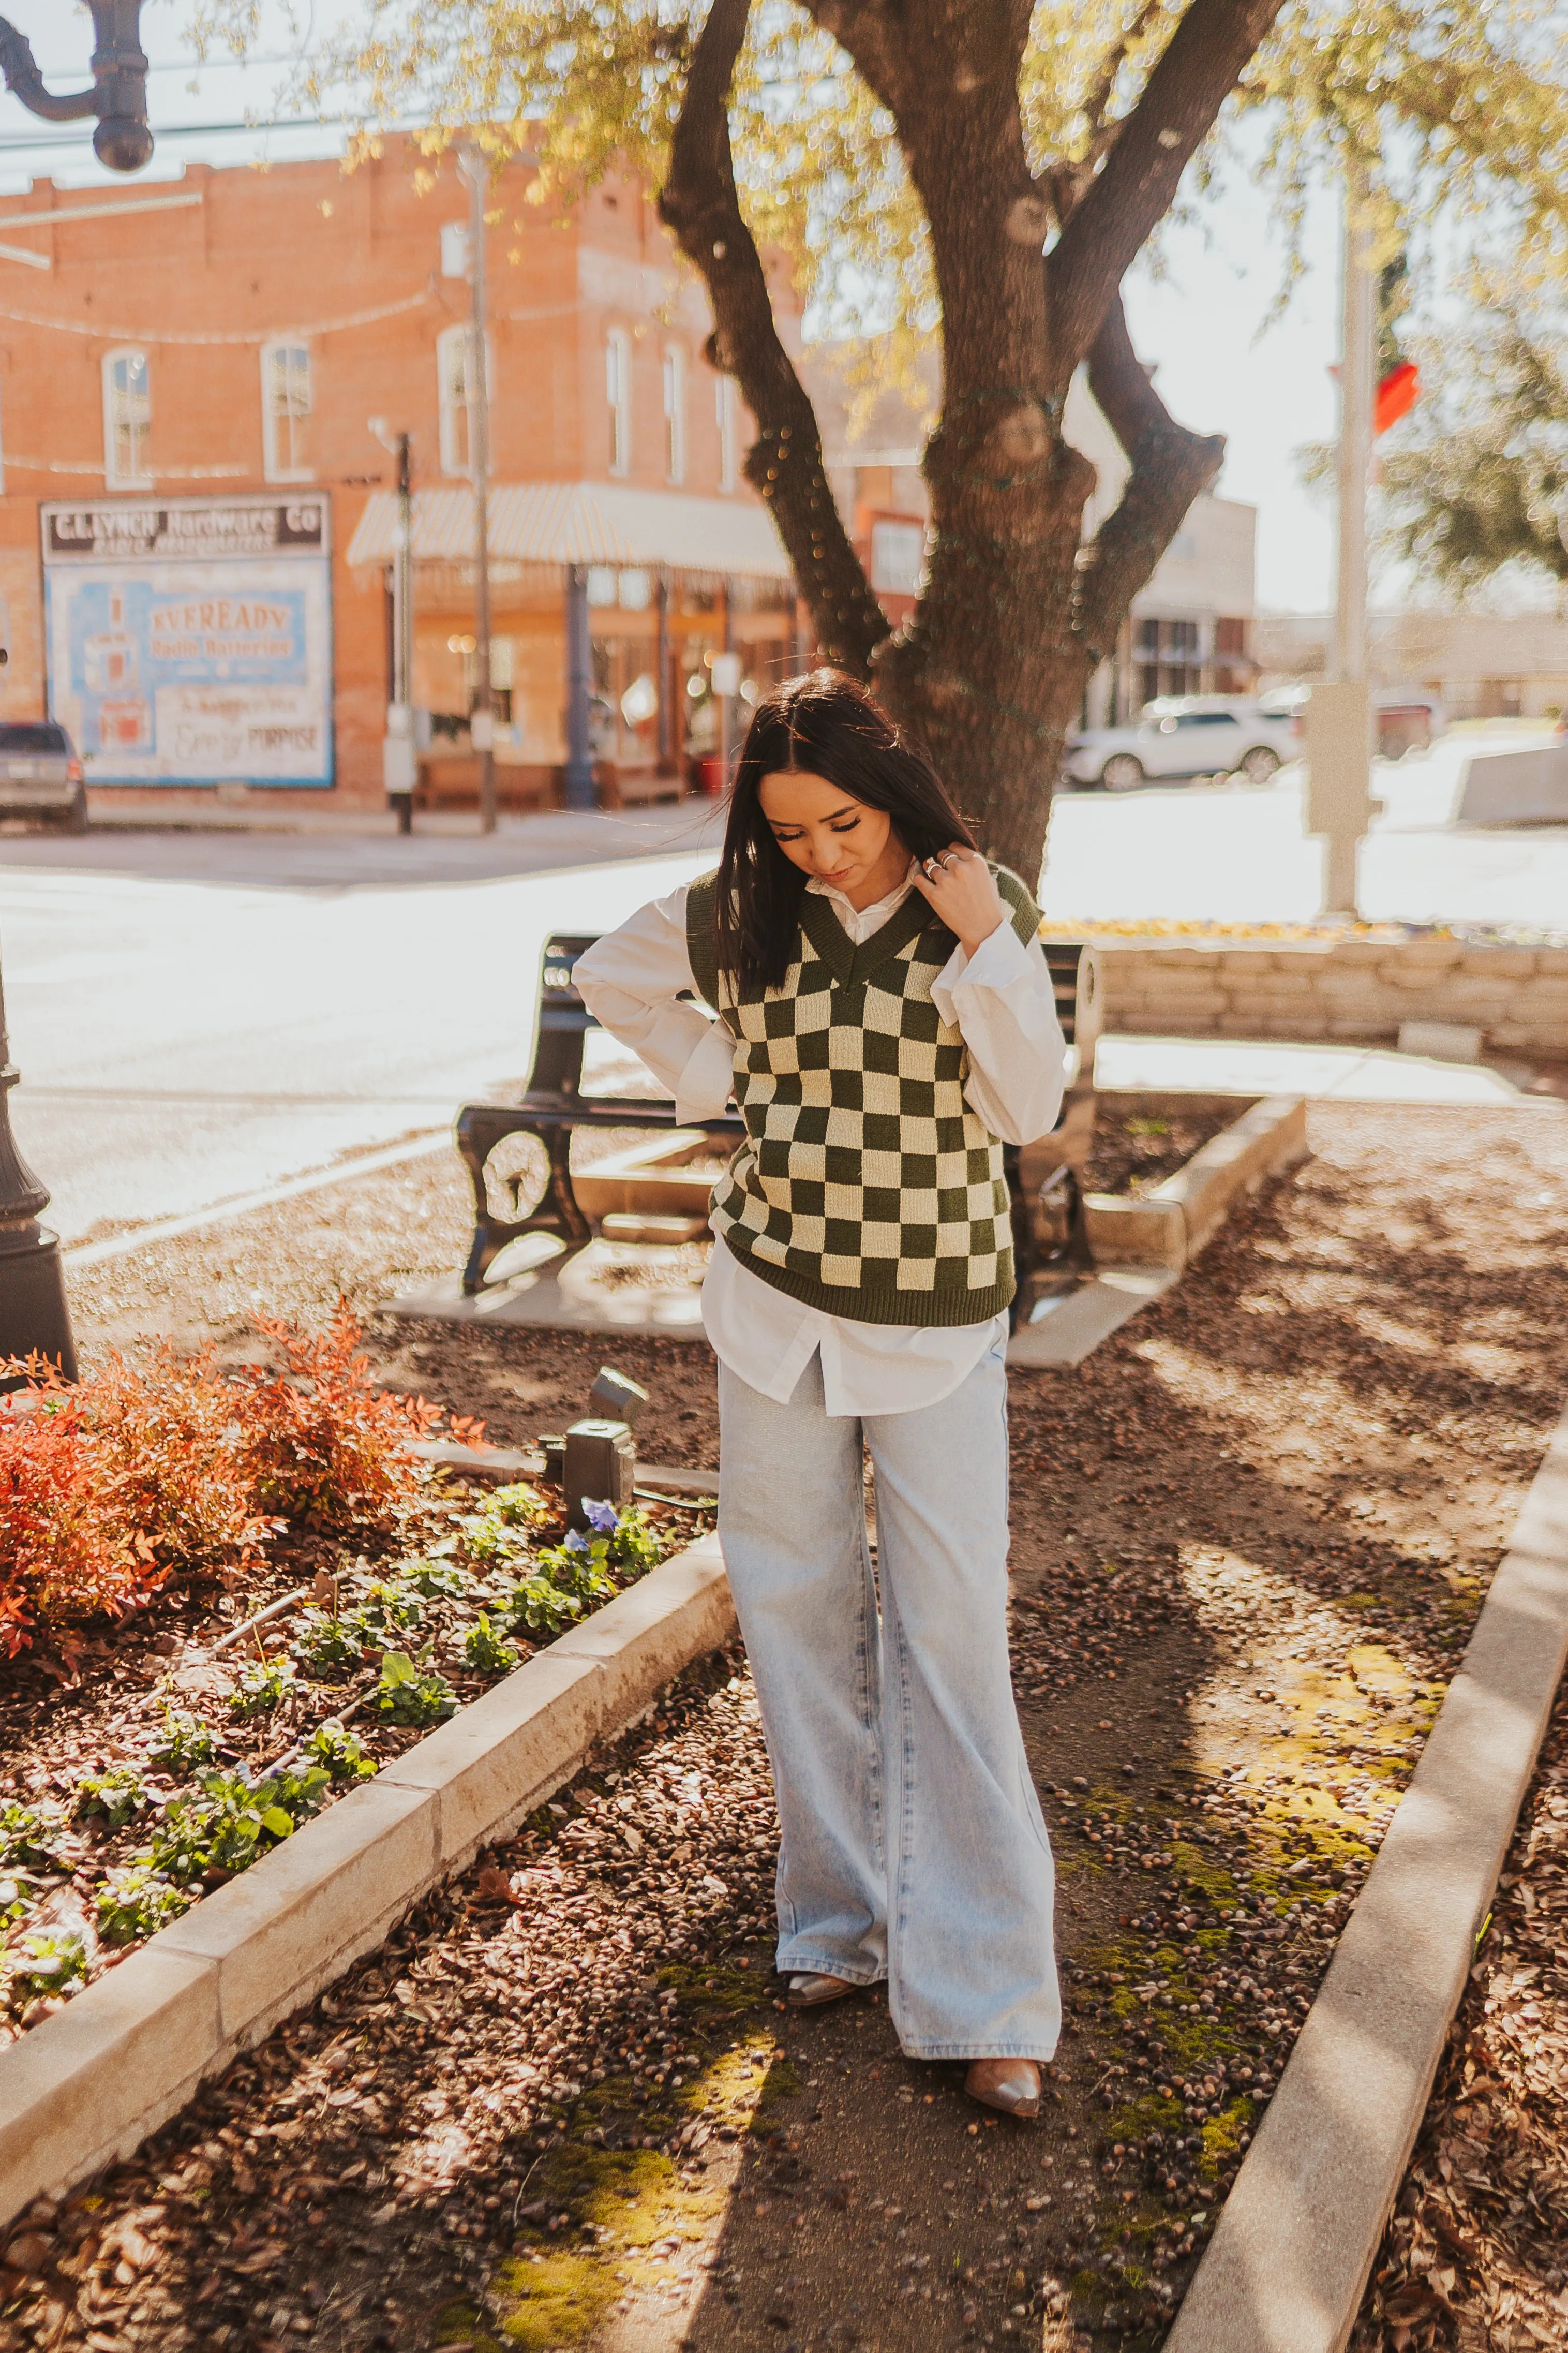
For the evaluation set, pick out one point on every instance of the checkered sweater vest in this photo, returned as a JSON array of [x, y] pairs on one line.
[[866, 1184]]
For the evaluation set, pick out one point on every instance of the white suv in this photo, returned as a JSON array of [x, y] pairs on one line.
[[1182, 735]]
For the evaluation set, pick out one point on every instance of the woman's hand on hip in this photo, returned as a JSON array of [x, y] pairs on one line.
[[959, 885]]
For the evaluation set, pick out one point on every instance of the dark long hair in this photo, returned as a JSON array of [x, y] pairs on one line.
[[824, 724]]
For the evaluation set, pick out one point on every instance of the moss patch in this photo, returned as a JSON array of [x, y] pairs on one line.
[[555, 2288]]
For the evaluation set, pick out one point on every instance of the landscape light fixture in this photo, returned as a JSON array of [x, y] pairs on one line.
[[34, 1317], [118, 97]]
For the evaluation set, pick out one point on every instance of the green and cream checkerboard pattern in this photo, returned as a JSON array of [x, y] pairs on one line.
[[866, 1184]]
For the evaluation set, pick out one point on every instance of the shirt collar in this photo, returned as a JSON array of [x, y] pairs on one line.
[[860, 922]]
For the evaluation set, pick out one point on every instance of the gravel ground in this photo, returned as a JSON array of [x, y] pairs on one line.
[[1250, 1537]]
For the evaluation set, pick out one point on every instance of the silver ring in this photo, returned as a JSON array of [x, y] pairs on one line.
[[930, 866], [951, 860]]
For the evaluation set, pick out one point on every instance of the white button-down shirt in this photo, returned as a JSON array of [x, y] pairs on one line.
[[999, 999]]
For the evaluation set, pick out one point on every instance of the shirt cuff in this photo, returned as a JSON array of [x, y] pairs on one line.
[[702, 1090], [999, 960]]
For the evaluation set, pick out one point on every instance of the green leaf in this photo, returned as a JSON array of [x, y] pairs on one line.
[[276, 1821]]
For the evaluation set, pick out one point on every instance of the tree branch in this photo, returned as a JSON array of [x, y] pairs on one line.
[[1170, 466], [1118, 210], [785, 464]]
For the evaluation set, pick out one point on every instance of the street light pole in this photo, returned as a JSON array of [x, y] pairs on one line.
[[119, 93], [1339, 714], [34, 1317], [483, 724]]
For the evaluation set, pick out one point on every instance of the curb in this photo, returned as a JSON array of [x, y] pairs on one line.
[[1169, 1225], [90, 2083], [1288, 2264], [289, 1189], [1141, 1248], [515, 1462]]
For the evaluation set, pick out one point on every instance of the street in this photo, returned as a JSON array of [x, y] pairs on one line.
[[1233, 853], [198, 1015]]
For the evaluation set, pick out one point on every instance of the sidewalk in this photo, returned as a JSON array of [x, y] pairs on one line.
[[1342, 1074], [346, 852]]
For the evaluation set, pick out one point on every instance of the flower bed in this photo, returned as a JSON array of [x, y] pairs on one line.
[[1137, 1148], [163, 1731]]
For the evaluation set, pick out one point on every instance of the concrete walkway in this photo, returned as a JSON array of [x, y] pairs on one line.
[[1351, 1073]]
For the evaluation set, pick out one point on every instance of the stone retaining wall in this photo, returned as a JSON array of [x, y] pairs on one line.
[[1346, 991]]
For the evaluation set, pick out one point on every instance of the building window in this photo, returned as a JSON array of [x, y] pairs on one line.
[[127, 421], [619, 397], [724, 410], [285, 402], [455, 367], [674, 413]]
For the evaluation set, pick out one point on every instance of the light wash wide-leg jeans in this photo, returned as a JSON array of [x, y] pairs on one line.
[[913, 1847]]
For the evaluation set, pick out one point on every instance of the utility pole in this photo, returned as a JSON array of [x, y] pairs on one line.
[[403, 576], [482, 723], [1338, 716], [400, 752]]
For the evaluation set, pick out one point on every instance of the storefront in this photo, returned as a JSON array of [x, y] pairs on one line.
[[669, 583]]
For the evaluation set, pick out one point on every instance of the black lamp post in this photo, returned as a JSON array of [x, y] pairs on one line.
[[119, 93], [33, 1311]]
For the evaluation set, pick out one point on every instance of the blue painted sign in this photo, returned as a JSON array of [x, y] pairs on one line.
[[190, 641]]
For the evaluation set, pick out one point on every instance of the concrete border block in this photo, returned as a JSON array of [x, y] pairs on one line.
[[489, 1766], [1169, 1225], [1270, 1137], [642, 1640], [1288, 2264], [296, 1919], [1142, 1232], [91, 2082]]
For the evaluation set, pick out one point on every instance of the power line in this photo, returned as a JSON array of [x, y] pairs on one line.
[[9, 146]]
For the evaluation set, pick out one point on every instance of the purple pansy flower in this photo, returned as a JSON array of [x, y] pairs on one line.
[[603, 1518]]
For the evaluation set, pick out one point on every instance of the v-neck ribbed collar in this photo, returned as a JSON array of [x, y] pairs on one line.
[[845, 962]]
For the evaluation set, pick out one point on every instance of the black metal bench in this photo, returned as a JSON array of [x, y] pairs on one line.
[[1045, 1178]]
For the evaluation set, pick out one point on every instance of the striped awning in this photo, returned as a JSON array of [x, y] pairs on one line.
[[580, 523]]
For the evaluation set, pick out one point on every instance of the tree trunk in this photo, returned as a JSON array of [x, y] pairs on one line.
[[1018, 613]]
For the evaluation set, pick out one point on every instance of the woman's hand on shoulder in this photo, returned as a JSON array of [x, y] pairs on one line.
[[959, 886]]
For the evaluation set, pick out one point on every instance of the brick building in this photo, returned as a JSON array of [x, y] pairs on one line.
[[197, 520]]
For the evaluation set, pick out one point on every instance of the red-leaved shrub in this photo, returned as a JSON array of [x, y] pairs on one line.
[[171, 1467], [62, 1560], [170, 1435], [322, 1441]]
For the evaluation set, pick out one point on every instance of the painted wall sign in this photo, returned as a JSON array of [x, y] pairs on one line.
[[190, 640]]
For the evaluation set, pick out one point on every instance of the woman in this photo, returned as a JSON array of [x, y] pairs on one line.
[[886, 1022]]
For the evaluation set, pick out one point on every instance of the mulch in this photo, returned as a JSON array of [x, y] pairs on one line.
[[1250, 1536]]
